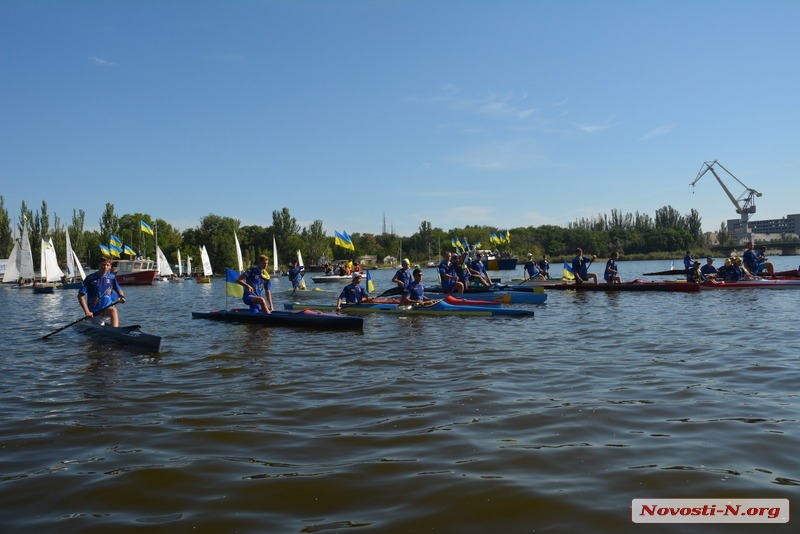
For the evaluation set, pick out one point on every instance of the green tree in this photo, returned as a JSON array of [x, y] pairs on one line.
[[316, 245], [6, 239], [284, 227], [109, 222]]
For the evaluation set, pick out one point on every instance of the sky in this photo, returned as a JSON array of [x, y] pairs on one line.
[[373, 115]]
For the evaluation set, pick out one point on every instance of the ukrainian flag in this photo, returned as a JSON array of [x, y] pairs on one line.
[[129, 251], [115, 241], [568, 274], [115, 250], [370, 283], [144, 227], [105, 250], [232, 285]]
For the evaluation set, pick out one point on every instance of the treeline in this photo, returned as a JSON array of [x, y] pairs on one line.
[[630, 234]]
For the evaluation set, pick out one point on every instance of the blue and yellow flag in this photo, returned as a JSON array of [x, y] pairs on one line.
[[370, 283], [105, 250], [568, 274], [117, 242], [672, 266], [144, 227], [343, 240], [128, 250], [115, 250], [232, 285]]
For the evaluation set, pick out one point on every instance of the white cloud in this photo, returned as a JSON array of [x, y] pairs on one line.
[[661, 130], [100, 62]]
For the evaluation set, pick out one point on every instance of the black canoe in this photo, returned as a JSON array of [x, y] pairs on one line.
[[302, 318]]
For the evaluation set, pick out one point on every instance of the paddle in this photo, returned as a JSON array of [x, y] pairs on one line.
[[56, 331], [396, 290]]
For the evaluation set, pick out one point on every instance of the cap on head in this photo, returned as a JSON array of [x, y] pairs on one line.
[[530, 255], [406, 262], [356, 275], [709, 259]]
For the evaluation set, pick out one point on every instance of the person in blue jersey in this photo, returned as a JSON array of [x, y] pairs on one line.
[[415, 291], [257, 287], [544, 267], [403, 275], [531, 269], [296, 273], [580, 267], [739, 272], [755, 262], [611, 273], [353, 293], [100, 290], [688, 261], [478, 271], [708, 271], [461, 269], [447, 276]]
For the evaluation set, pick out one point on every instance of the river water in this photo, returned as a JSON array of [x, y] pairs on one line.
[[417, 424]]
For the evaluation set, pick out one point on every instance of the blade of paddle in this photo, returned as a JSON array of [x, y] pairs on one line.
[[73, 323]]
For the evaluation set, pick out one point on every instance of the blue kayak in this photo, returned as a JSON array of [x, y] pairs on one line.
[[499, 296]]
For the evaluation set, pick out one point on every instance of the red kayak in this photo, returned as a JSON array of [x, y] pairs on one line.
[[449, 299]]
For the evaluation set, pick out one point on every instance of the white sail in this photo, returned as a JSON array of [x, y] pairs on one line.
[[274, 256], [180, 267], [301, 264], [163, 264], [188, 266], [26, 270], [70, 259], [12, 269], [51, 272], [78, 265], [238, 253], [207, 271]]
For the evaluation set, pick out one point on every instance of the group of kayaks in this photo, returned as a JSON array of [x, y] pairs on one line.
[[474, 302]]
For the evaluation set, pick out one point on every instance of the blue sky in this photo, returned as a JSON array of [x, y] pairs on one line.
[[499, 113]]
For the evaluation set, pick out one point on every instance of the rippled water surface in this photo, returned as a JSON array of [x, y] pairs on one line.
[[417, 424]]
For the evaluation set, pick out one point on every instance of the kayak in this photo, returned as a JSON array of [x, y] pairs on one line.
[[754, 284], [332, 279], [125, 335], [303, 317], [669, 272], [439, 307], [636, 285], [508, 295], [450, 299], [307, 293]]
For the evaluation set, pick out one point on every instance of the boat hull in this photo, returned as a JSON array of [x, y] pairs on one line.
[[753, 284], [439, 308], [304, 318], [527, 295], [131, 336], [680, 287], [332, 279]]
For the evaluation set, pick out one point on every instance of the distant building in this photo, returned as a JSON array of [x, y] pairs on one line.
[[765, 230]]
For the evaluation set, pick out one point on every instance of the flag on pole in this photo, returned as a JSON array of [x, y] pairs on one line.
[[568, 274], [370, 283], [232, 285], [105, 250], [144, 227]]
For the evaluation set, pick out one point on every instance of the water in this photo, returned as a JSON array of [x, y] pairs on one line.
[[417, 424]]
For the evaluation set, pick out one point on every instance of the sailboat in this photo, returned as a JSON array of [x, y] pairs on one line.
[[50, 270], [73, 268], [12, 269], [178, 278], [164, 270], [24, 262], [238, 253], [300, 263], [207, 271], [274, 256], [188, 268]]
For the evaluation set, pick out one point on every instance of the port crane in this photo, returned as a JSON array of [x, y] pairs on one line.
[[745, 203]]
